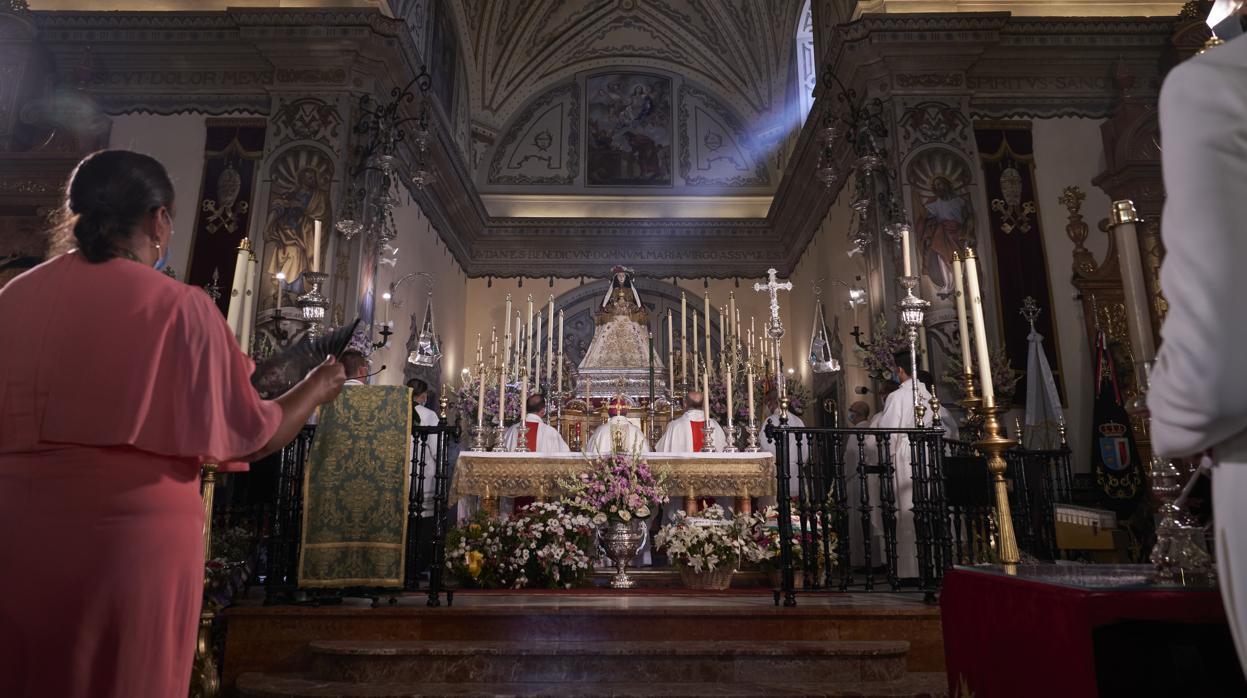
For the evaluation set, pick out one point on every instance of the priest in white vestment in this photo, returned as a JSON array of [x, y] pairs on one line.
[[541, 437], [771, 401], [684, 433], [617, 426], [898, 413], [951, 430], [860, 418], [1198, 395]]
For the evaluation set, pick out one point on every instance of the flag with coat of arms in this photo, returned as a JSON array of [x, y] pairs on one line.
[[1114, 456]]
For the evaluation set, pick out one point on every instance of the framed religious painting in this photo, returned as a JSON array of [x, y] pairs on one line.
[[628, 130]]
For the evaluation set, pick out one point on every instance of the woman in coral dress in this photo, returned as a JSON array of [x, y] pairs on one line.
[[116, 383]]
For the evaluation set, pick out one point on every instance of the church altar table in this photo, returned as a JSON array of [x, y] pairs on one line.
[[1064, 631], [490, 475]]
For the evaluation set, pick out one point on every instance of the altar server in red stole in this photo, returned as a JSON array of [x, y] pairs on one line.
[[116, 383], [684, 434], [1198, 395]]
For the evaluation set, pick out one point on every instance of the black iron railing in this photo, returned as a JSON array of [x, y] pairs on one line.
[[847, 474]]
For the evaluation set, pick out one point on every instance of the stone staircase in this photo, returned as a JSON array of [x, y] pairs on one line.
[[640, 668]]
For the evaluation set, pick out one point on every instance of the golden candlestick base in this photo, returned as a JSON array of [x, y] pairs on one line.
[[205, 682], [993, 446]]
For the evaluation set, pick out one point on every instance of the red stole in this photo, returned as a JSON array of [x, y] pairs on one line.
[[530, 435], [699, 434]]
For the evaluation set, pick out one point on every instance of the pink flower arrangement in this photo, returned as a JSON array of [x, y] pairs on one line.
[[616, 486]]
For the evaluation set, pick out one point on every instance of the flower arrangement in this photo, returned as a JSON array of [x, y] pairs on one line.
[[765, 528], [465, 398], [798, 397], [1004, 377], [616, 486], [708, 541], [543, 545], [876, 355]]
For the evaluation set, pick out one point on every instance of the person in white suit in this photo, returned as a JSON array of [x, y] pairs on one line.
[[1198, 394]]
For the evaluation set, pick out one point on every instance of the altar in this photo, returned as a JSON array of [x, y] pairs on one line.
[[490, 475]]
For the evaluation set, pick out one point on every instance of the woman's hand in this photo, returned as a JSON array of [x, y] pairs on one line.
[[326, 380]]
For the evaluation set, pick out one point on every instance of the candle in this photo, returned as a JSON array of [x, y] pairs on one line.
[[684, 338], [959, 285], [506, 337], [386, 298], [537, 356], [1138, 316], [651, 368], [749, 381], [480, 357], [706, 315], [722, 330], [493, 345], [705, 387], [518, 346], [906, 263], [728, 379], [316, 245], [560, 369], [238, 290], [502, 390], [670, 354], [528, 351], [697, 352], [732, 318], [277, 279], [550, 340], [480, 400], [248, 308], [980, 330]]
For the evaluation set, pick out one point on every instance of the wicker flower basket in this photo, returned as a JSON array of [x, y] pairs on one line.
[[707, 580]]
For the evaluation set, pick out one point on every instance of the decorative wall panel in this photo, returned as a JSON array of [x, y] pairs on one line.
[[714, 148], [543, 146]]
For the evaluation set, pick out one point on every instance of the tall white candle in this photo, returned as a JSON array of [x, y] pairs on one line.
[[670, 353], [1138, 315], [706, 317], [749, 381], [705, 387], [480, 400], [316, 245], [980, 331], [728, 380], [684, 338], [559, 385], [537, 355], [733, 319], [493, 345], [959, 284], [906, 262], [528, 349], [506, 337], [250, 294], [502, 387], [722, 329], [518, 345], [238, 290], [550, 341], [697, 351]]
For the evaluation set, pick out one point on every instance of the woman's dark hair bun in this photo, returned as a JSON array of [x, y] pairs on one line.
[[107, 195]]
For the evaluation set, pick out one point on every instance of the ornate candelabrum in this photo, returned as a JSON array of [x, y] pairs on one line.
[[912, 310], [707, 436], [751, 445], [205, 680], [1178, 555], [521, 437], [313, 304]]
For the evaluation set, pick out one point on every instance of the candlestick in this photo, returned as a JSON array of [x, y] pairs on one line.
[[1138, 314], [560, 369], [684, 338], [705, 391], [528, 352], [537, 355], [550, 340], [480, 357], [651, 369], [906, 263], [960, 285], [722, 330], [518, 345], [502, 399], [277, 279], [706, 315], [749, 381], [730, 434], [316, 245], [980, 331], [732, 317]]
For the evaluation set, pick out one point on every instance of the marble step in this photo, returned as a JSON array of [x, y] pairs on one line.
[[644, 660], [917, 685]]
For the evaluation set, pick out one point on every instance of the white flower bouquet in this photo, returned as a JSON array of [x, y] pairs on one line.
[[616, 486], [708, 541]]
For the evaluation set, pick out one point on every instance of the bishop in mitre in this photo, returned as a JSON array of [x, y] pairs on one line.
[[898, 413], [685, 433], [540, 437], [617, 434]]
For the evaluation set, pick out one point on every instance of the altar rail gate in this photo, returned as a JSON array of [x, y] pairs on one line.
[[426, 535], [847, 501]]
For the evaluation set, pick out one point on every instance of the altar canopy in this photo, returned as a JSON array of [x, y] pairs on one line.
[[355, 490]]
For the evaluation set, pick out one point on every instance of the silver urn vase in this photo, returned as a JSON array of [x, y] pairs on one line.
[[622, 541]]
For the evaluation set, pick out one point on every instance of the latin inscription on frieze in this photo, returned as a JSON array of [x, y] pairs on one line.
[[181, 78], [628, 253], [1021, 83]]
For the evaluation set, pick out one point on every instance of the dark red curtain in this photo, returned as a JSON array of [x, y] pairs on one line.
[[1007, 157], [232, 155]]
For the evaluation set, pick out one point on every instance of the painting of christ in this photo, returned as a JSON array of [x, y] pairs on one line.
[[300, 197], [943, 213]]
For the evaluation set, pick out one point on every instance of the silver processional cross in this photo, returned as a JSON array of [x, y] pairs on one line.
[[776, 328]]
